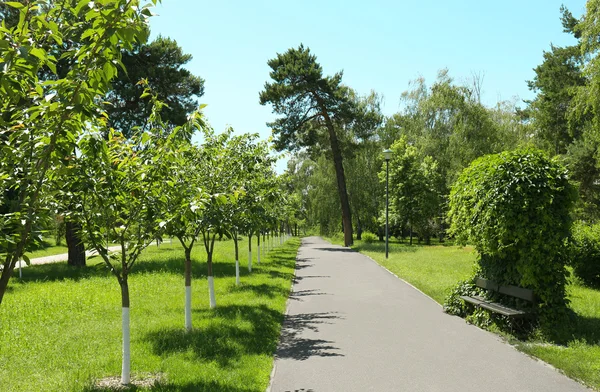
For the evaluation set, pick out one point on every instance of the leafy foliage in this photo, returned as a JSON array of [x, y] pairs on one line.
[[585, 253], [369, 238], [414, 184], [42, 119], [160, 64], [514, 208]]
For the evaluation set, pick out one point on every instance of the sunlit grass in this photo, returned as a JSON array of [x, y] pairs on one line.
[[60, 327]]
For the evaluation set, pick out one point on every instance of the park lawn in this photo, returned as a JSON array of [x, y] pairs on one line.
[[47, 248], [436, 269], [60, 327]]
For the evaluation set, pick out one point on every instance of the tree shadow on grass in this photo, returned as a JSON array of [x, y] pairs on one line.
[[62, 271], [201, 386], [295, 346], [194, 386], [226, 338], [261, 290], [175, 265], [585, 329], [281, 275]]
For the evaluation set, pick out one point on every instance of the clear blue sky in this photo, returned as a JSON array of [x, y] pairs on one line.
[[380, 45]]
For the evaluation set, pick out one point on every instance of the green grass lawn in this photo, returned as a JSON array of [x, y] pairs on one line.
[[436, 269], [47, 248], [60, 327]]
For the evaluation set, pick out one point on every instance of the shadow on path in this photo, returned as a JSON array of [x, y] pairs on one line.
[[294, 345]]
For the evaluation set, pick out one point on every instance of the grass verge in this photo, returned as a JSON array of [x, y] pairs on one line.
[[436, 269], [60, 327]]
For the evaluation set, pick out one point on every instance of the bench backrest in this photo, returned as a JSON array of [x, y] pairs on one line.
[[513, 291]]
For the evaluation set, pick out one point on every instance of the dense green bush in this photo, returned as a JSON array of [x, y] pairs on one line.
[[369, 238], [514, 208], [585, 253]]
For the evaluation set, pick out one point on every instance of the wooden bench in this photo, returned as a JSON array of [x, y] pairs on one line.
[[511, 291]]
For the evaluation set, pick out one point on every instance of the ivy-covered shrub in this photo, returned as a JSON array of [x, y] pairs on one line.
[[514, 208], [369, 238], [456, 306], [585, 253]]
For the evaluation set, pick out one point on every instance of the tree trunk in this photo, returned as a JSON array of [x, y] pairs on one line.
[[258, 248], [250, 252], [237, 259], [358, 228], [188, 289], [211, 281], [74, 244], [7, 270], [341, 180], [411, 234], [126, 364]]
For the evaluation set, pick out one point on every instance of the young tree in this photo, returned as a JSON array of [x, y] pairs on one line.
[[40, 122], [309, 102], [413, 189], [184, 197], [124, 202], [252, 164], [222, 194]]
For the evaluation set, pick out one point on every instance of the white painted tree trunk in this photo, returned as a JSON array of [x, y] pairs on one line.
[[237, 272], [249, 261], [258, 255], [188, 308], [126, 368], [211, 292]]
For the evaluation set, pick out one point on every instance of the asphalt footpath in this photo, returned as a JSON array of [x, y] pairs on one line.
[[353, 326]]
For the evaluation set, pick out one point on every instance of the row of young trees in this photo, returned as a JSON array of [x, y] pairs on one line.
[[439, 131], [65, 148]]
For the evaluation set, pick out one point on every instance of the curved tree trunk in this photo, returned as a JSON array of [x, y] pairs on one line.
[[341, 180]]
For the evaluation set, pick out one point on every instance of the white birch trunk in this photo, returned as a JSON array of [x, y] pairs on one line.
[[249, 261], [211, 292], [126, 368], [237, 272], [188, 308]]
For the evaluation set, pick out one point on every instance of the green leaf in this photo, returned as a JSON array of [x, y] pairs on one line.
[[15, 4], [39, 53], [26, 260]]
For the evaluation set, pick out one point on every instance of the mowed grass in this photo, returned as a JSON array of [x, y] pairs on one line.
[[60, 328], [436, 269], [47, 248]]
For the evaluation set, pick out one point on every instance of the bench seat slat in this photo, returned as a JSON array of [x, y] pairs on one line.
[[506, 311], [474, 300]]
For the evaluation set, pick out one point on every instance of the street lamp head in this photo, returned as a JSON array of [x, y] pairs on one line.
[[387, 154]]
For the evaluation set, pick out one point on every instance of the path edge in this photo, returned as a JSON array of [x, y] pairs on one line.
[[287, 310], [498, 337]]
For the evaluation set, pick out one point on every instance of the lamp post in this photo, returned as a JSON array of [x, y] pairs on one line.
[[387, 154]]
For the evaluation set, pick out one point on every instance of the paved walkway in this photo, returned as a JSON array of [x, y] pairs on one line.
[[64, 257], [352, 326]]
